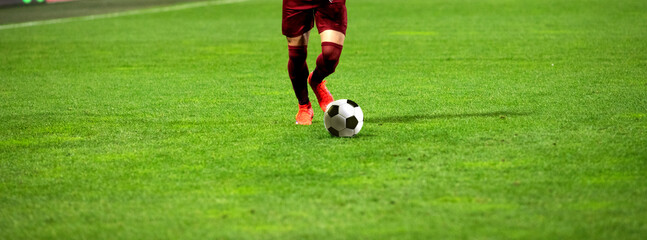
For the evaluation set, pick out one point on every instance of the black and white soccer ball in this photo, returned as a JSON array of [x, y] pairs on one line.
[[343, 118]]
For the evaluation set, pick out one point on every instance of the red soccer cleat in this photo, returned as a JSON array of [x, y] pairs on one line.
[[305, 114], [323, 95]]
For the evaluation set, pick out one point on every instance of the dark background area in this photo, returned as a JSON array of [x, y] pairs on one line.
[[34, 12]]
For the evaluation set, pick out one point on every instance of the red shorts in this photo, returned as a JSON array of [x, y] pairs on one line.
[[299, 16]]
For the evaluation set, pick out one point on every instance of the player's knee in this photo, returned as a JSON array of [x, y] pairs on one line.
[[298, 54], [330, 54], [331, 51]]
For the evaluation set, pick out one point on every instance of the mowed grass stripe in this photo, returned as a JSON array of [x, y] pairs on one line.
[[177, 7]]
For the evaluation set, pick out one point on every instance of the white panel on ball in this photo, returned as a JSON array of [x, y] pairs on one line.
[[359, 127], [347, 133], [346, 110], [338, 122], [359, 114]]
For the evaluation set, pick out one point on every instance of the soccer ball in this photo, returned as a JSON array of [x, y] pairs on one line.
[[343, 118]]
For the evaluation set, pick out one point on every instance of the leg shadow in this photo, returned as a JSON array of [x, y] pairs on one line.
[[421, 117]]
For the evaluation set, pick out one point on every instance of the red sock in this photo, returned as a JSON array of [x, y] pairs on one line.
[[327, 61], [298, 70]]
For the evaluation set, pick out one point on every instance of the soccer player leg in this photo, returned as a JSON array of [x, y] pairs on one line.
[[298, 71], [331, 47], [332, 21], [296, 25]]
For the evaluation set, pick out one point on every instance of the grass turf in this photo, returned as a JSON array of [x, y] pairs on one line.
[[485, 119]]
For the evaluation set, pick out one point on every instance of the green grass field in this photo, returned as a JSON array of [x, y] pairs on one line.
[[484, 119]]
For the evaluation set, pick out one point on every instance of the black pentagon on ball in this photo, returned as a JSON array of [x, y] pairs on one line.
[[333, 131], [351, 122], [334, 110], [352, 103]]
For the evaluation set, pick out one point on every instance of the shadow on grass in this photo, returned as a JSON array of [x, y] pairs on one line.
[[421, 117]]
